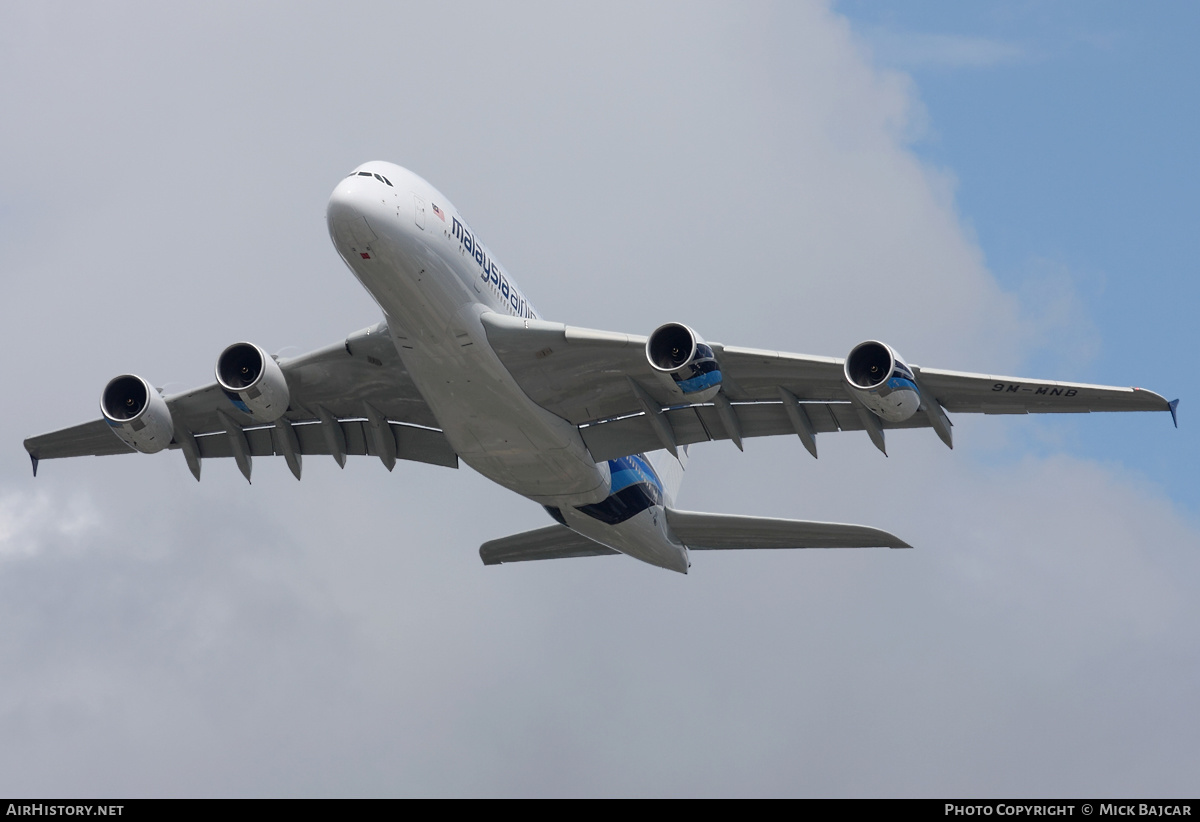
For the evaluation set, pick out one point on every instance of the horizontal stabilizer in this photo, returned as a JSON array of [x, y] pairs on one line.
[[720, 532], [553, 542]]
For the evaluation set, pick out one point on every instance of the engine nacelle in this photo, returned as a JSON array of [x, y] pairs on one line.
[[137, 414], [679, 351], [253, 381], [884, 383]]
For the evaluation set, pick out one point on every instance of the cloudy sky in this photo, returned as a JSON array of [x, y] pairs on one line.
[[995, 188]]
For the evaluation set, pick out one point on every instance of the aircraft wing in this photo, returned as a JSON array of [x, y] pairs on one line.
[[352, 397], [603, 383]]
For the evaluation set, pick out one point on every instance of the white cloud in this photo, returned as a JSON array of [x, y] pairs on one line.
[[30, 520]]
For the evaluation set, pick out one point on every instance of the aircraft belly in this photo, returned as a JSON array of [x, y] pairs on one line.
[[413, 287], [433, 316], [491, 424], [643, 537], [499, 431]]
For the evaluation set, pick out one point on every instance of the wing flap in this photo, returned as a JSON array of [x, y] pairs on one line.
[[633, 434], [413, 444], [722, 532], [553, 542]]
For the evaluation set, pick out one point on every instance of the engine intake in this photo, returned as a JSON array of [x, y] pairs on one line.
[[253, 381], [137, 414], [679, 351], [882, 381]]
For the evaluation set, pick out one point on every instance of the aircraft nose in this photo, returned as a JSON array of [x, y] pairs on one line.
[[370, 207], [343, 202], [348, 211], [371, 191]]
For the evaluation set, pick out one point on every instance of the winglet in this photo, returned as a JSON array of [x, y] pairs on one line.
[[1173, 404], [35, 459]]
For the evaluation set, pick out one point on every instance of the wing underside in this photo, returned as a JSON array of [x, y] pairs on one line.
[[355, 397], [602, 382], [350, 398]]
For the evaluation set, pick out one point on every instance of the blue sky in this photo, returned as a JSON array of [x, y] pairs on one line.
[[1070, 129]]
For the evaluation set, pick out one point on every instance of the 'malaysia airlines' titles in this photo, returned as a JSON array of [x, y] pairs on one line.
[[491, 272]]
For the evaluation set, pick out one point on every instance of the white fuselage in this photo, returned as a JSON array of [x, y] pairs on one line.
[[416, 255]]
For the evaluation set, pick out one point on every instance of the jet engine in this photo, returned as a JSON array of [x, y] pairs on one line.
[[253, 381], [882, 381], [679, 351], [137, 414]]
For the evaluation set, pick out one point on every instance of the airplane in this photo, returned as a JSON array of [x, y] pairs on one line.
[[594, 426]]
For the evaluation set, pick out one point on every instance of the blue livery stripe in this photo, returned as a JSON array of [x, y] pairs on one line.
[[634, 487], [699, 383]]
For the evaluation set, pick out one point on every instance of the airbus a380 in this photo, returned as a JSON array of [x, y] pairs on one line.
[[592, 425]]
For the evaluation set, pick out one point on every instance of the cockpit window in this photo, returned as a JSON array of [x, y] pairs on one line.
[[381, 178], [378, 177]]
